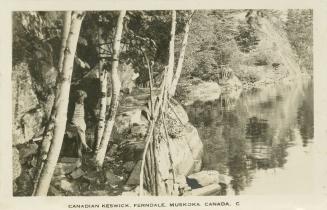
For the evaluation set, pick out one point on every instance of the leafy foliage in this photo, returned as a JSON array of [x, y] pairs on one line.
[[145, 39], [246, 37], [211, 44], [299, 30], [217, 38]]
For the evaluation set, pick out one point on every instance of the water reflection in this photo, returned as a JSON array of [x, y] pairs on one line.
[[248, 132]]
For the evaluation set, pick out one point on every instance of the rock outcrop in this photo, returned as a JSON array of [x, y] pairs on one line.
[[199, 90], [27, 112], [31, 105], [186, 145]]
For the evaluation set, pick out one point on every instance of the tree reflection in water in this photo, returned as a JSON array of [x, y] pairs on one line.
[[249, 131], [305, 118]]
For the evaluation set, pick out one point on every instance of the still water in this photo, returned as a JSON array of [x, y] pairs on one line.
[[261, 138]]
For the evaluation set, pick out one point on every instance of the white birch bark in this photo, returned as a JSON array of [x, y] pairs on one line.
[[61, 106], [103, 100], [65, 32], [171, 60], [100, 154], [181, 56], [48, 132]]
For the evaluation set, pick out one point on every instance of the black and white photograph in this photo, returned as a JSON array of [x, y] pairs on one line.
[[163, 105], [162, 102]]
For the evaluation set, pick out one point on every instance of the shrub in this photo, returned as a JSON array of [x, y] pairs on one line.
[[246, 37], [206, 71], [250, 76]]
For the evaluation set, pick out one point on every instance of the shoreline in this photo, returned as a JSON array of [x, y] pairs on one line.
[[216, 92]]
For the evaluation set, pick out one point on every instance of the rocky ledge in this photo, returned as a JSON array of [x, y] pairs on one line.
[[198, 90], [123, 160], [122, 165]]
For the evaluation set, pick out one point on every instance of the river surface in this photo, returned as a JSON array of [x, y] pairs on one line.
[[261, 138]]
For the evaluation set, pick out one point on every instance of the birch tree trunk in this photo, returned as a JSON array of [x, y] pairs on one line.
[[100, 154], [103, 100], [48, 132], [171, 60], [61, 105], [65, 32], [181, 56]]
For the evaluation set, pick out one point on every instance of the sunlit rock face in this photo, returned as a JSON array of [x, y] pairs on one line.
[[32, 100], [186, 154], [25, 104], [23, 94], [185, 144], [198, 90]]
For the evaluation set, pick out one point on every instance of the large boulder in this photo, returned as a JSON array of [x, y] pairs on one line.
[[185, 143], [186, 153], [32, 97], [200, 90], [24, 98], [203, 178], [206, 178], [178, 110], [27, 112], [134, 177]]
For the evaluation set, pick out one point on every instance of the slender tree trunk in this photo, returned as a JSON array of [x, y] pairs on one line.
[[48, 132], [181, 56], [103, 101], [61, 106], [100, 154], [171, 60], [150, 80], [65, 32], [160, 106]]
